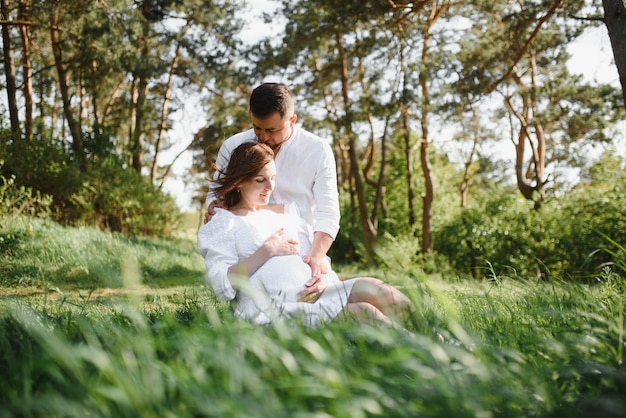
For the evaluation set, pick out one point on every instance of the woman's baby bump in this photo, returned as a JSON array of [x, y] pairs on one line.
[[283, 277]]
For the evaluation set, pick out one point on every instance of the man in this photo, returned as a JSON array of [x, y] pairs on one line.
[[307, 175]]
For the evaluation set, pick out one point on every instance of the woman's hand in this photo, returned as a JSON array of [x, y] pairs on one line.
[[278, 244]]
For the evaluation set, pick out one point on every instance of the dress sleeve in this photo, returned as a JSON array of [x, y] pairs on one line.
[[216, 244]]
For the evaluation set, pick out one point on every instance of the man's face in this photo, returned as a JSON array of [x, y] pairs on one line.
[[273, 130]]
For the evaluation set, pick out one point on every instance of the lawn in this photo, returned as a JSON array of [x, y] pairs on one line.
[[93, 324]]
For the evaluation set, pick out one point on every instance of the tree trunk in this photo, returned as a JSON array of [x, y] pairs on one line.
[[615, 21], [369, 233], [28, 71], [429, 197], [408, 160], [136, 147], [406, 136], [429, 192], [9, 70], [164, 111], [142, 73], [536, 167], [75, 131], [378, 184], [468, 163]]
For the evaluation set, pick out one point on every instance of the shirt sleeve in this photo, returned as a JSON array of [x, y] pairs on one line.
[[326, 214], [216, 244]]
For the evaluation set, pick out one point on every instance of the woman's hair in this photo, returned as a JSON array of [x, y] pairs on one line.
[[269, 98], [245, 163]]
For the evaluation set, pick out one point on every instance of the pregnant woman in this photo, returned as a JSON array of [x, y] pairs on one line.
[[252, 255]]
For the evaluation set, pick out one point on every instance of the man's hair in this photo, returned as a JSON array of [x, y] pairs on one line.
[[245, 163], [269, 98]]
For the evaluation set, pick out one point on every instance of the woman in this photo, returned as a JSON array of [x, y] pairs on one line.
[[251, 255]]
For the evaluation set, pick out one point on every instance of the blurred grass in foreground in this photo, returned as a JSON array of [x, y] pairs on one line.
[[522, 349], [161, 346]]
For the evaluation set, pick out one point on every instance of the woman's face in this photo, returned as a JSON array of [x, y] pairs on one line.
[[257, 191]]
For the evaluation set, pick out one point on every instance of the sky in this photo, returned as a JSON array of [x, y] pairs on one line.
[[592, 57]]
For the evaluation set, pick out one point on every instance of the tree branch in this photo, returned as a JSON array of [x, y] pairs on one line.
[[526, 46]]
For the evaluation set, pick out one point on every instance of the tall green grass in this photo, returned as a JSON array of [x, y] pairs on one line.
[[513, 349], [41, 253]]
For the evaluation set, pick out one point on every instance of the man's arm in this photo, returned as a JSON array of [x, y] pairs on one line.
[[321, 244], [326, 217], [318, 283]]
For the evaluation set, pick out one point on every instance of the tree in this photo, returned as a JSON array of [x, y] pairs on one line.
[[9, 70], [63, 80], [550, 110], [24, 28], [334, 49], [434, 14], [615, 21]]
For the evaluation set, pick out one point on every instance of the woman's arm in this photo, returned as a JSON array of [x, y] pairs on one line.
[[277, 244], [216, 244]]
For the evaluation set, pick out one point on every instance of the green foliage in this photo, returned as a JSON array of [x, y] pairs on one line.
[[21, 200], [45, 167], [103, 192], [119, 199], [567, 238], [592, 224], [395, 230], [501, 231]]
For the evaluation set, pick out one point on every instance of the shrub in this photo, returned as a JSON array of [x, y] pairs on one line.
[[100, 190], [566, 238], [16, 200]]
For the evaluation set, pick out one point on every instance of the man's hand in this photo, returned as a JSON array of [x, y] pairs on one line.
[[313, 289], [210, 211], [318, 283]]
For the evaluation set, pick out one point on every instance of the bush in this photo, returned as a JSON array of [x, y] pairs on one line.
[[99, 190], [566, 238], [121, 200], [16, 200]]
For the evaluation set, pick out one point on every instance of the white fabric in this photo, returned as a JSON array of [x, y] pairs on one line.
[[306, 175], [271, 292]]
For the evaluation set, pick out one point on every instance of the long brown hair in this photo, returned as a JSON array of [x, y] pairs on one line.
[[245, 163]]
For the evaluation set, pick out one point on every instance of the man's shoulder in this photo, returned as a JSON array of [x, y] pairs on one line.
[[312, 139]]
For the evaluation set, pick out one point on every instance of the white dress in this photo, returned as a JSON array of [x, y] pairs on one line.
[[270, 294]]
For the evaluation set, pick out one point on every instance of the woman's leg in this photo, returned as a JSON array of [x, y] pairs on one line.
[[366, 312], [387, 299]]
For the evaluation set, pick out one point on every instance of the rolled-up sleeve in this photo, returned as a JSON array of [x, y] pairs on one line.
[[326, 214], [216, 244]]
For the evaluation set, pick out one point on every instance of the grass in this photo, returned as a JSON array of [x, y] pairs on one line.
[[138, 334]]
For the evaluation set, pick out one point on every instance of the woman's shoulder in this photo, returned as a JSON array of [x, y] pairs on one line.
[[221, 222]]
